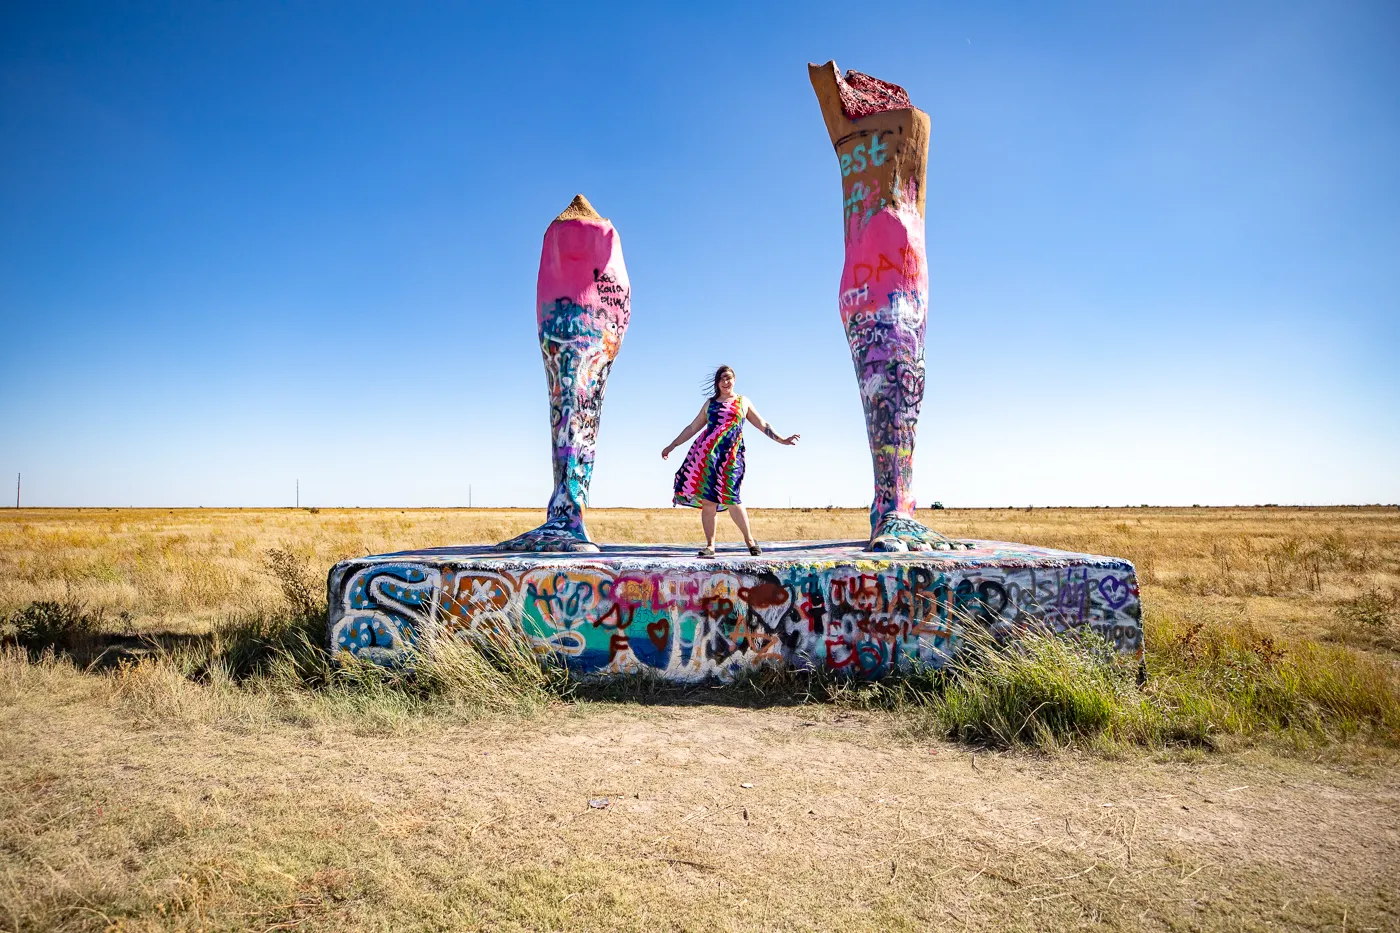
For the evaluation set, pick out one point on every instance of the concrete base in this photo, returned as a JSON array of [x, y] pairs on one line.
[[659, 608]]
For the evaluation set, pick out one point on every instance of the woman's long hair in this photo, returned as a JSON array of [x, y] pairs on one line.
[[711, 383]]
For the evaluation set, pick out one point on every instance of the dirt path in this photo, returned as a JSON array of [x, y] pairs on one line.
[[110, 824]]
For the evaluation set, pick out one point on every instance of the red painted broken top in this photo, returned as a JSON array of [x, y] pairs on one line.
[[862, 95]]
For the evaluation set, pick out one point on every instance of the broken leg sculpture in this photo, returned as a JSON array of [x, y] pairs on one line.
[[583, 301], [881, 141]]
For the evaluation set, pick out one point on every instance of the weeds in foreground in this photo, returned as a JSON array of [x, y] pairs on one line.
[[1041, 690], [1371, 619], [274, 665], [67, 626], [1207, 682], [1233, 679], [261, 669]]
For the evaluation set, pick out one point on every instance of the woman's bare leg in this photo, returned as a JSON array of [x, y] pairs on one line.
[[881, 142], [583, 302], [707, 520], [741, 519]]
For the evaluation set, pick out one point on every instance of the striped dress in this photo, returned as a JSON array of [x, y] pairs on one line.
[[714, 465]]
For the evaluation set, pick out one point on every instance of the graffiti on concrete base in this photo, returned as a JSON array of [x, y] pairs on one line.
[[688, 622]]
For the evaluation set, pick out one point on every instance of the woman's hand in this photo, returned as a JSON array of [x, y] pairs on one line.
[[666, 452], [790, 440]]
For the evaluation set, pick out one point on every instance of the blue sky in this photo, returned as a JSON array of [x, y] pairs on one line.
[[245, 243]]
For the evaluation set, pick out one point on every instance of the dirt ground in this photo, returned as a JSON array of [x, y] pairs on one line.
[[683, 817]]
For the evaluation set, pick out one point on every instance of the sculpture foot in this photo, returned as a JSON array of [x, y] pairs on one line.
[[553, 538], [898, 533]]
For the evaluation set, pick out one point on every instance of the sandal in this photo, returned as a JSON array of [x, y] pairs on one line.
[[706, 552], [754, 549]]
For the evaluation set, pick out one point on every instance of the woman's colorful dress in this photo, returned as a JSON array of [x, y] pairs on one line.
[[714, 465]]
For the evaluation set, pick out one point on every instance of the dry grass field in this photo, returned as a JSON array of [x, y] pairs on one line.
[[142, 797]]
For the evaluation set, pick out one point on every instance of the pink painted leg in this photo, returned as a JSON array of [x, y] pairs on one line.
[[881, 143], [583, 304]]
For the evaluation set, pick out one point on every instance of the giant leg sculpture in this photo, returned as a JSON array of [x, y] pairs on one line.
[[881, 140], [583, 301]]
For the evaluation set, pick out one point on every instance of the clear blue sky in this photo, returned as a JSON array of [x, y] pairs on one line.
[[243, 243]]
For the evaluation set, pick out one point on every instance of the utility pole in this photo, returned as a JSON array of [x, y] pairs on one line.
[[18, 477], [469, 495], [298, 493]]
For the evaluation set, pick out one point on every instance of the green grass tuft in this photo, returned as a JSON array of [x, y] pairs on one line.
[[1041, 690], [1207, 682]]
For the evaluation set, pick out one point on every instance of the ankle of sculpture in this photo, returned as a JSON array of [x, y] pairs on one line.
[[563, 530], [558, 536], [900, 532], [892, 523]]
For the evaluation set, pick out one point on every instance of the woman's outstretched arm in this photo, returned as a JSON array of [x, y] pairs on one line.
[[690, 431], [755, 419]]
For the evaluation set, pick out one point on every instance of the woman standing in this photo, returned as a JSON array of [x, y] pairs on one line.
[[713, 468]]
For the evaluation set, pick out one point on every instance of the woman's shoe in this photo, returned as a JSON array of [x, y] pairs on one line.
[[706, 552], [754, 549]]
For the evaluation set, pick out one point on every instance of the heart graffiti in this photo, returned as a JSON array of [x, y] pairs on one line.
[[660, 633], [1114, 591]]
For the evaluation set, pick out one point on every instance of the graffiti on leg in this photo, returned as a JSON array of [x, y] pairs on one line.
[[883, 308], [583, 308], [881, 145]]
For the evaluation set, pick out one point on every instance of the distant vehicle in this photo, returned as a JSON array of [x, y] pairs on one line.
[[936, 505]]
